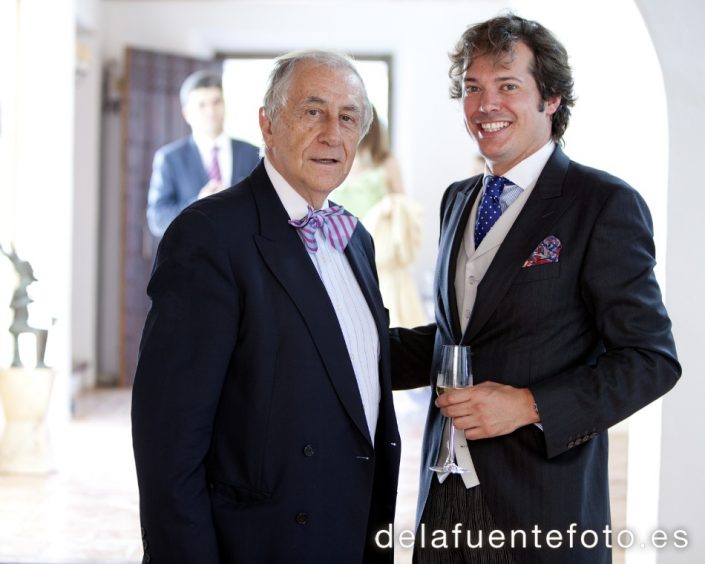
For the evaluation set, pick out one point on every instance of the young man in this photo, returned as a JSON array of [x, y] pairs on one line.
[[545, 269]]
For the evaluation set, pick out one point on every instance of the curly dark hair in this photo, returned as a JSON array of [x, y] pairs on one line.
[[550, 67]]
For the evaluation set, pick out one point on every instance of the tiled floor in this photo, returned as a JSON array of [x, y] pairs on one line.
[[86, 512]]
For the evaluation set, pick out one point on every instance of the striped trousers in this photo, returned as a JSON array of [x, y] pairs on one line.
[[448, 505]]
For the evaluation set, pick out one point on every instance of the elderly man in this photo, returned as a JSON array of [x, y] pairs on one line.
[[545, 270], [263, 424]]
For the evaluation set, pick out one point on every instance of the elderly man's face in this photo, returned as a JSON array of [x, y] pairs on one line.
[[312, 140]]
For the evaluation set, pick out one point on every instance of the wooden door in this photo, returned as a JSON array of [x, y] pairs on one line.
[[151, 117]]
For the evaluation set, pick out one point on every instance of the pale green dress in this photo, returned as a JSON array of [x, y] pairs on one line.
[[359, 194]]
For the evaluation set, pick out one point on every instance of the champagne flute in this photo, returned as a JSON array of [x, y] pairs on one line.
[[455, 373]]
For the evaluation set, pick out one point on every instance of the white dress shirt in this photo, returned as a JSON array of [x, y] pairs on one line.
[[354, 316]]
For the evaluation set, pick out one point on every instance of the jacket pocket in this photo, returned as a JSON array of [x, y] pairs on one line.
[[237, 494], [538, 272]]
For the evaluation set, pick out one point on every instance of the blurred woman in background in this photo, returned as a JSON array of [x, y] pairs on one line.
[[373, 191]]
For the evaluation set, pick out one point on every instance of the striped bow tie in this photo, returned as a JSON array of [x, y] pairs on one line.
[[337, 227]]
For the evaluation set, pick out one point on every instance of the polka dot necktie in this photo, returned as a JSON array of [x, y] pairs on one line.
[[489, 210]]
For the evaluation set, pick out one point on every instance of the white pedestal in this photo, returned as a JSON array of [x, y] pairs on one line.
[[24, 445]]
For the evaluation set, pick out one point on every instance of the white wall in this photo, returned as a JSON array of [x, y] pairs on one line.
[[84, 287], [8, 100], [676, 28], [37, 199]]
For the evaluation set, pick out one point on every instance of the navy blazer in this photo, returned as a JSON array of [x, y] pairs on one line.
[[588, 335], [178, 176], [249, 433]]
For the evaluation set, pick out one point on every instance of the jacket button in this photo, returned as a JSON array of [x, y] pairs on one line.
[[146, 558], [308, 450], [302, 518]]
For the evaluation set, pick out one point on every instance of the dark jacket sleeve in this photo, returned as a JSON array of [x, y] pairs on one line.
[[163, 200], [184, 354], [412, 355], [638, 363]]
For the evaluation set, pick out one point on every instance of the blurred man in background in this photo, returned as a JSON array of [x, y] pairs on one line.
[[199, 165]]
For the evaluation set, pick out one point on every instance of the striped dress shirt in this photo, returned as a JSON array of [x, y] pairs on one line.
[[354, 316]]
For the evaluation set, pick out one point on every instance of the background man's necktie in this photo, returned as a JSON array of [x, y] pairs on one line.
[[214, 168], [489, 210], [337, 227]]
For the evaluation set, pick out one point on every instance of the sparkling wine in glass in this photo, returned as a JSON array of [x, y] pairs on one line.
[[455, 373]]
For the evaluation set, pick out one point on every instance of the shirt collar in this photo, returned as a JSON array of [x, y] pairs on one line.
[[205, 144], [294, 203], [526, 173]]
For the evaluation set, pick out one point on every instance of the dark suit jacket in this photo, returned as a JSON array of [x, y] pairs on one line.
[[178, 176], [249, 433], [588, 335]]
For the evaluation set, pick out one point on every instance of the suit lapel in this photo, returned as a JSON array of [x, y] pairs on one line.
[[449, 245], [195, 164], [361, 259], [286, 257], [361, 265], [545, 205]]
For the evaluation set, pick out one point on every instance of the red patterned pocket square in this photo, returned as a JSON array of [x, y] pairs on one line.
[[548, 251]]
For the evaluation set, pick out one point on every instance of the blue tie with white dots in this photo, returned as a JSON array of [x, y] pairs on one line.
[[489, 210]]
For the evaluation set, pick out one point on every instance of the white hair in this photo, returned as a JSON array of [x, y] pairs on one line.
[[275, 96]]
